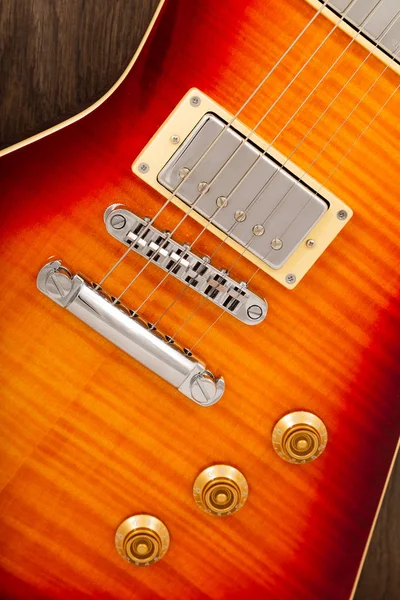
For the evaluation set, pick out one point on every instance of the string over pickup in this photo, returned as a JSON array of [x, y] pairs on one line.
[[127, 331], [178, 260]]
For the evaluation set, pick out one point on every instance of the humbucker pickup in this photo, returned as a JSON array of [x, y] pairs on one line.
[[241, 189], [263, 201], [178, 260]]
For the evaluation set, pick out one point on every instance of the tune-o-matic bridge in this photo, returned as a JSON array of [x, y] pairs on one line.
[[126, 330], [179, 261]]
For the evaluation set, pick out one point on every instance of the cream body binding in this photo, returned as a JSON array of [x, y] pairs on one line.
[[381, 55]]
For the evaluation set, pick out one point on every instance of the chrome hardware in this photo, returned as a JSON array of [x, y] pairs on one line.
[[144, 168], [202, 187], [240, 216], [290, 278], [382, 26], [183, 172], [253, 312], [203, 387], [258, 230], [276, 244], [259, 183], [266, 201], [123, 327], [118, 222], [195, 101], [179, 261], [222, 202]]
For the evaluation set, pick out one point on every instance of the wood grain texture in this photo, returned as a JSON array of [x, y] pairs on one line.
[[380, 578], [89, 434], [57, 58]]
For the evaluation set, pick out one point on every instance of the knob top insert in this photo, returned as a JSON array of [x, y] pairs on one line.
[[142, 540], [299, 437], [220, 490]]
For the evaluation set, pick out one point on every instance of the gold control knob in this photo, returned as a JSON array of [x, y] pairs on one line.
[[220, 490], [142, 540], [299, 437]]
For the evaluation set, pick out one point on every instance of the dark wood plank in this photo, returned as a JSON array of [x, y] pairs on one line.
[[380, 577], [56, 58]]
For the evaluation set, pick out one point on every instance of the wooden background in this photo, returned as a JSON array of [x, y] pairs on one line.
[[56, 58]]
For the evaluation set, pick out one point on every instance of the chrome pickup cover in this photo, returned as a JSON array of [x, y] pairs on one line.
[[279, 210], [212, 283], [174, 134], [382, 23]]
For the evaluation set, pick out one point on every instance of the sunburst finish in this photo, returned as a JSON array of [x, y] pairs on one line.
[[90, 437]]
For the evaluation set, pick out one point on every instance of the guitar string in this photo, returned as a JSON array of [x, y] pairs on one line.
[[235, 152], [269, 181], [321, 186], [257, 197], [145, 266], [289, 190], [319, 154], [226, 126]]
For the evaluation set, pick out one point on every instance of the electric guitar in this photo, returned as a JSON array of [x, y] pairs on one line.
[[200, 313]]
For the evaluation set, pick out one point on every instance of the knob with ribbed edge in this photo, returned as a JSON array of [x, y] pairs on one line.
[[299, 437], [142, 540], [220, 490]]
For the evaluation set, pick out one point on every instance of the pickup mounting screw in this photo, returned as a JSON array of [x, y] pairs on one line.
[[175, 139], [240, 216], [342, 215], [254, 312], [195, 101], [290, 278], [118, 221], [144, 167], [276, 244], [310, 243]]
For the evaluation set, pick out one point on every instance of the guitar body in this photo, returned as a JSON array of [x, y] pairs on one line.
[[91, 437]]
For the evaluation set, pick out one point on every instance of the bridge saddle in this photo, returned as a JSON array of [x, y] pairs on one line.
[[178, 260]]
